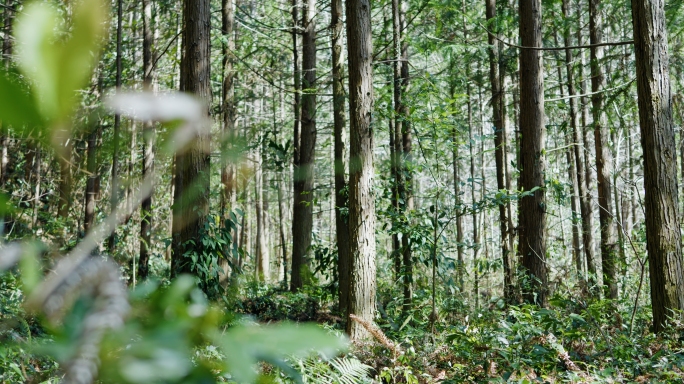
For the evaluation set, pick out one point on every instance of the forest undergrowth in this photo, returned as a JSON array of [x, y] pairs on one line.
[[572, 341]]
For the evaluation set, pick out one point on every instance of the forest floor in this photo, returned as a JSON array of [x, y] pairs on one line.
[[572, 341]]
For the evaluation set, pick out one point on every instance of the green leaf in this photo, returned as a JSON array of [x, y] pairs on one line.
[[58, 62], [244, 345], [17, 107]]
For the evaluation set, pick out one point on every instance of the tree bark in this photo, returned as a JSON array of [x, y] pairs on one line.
[[340, 166], [91, 183], [115, 193], [406, 164], [229, 107], [604, 157], [532, 218], [588, 219], [361, 168], [148, 144], [577, 147], [302, 217], [456, 169], [499, 123], [191, 194], [402, 145], [262, 254], [663, 236]]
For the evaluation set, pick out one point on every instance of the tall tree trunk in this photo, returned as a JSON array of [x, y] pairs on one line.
[[91, 183], [604, 157], [406, 164], [402, 146], [663, 236], [361, 169], [297, 111], [500, 139], [262, 254], [229, 107], [191, 194], [532, 218], [590, 252], [340, 166], [456, 169], [302, 218], [228, 168], [471, 144], [296, 27], [148, 143], [7, 46], [115, 193], [579, 179]]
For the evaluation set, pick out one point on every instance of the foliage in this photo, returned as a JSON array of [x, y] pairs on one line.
[[270, 304], [217, 244]]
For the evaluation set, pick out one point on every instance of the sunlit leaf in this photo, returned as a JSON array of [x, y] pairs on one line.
[[59, 63], [17, 107], [245, 345]]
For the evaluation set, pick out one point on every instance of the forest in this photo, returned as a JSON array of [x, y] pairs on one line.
[[341, 191]]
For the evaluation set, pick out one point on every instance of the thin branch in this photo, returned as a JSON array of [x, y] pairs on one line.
[[591, 93], [154, 65], [609, 44]]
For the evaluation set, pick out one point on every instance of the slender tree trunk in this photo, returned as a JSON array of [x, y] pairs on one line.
[[115, 193], [148, 144], [191, 195], [588, 217], [499, 123], [302, 219], [663, 236], [281, 225], [361, 169], [297, 121], [406, 163], [579, 172], [402, 145], [604, 157], [456, 168], [91, 183], [262, 255], [340, 166], [471, 144], [229, 108], [7, 45], [532, 219]]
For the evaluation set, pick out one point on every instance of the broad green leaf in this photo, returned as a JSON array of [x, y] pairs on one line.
[[81, 51], [246, 344], [17, 107], [59, 63]]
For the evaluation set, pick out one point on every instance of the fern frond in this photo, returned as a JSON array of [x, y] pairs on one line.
[[350, 370]]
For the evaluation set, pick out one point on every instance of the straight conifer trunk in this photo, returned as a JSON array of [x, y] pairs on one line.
[[456, 170], [577, 147], [115, 192], [590, 252], [407, 143], [604, 157], [663, 236], [361, 169], [499, 122], [302, 216], [191, 193], [340, 166], [532, 217], [148, 144]]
